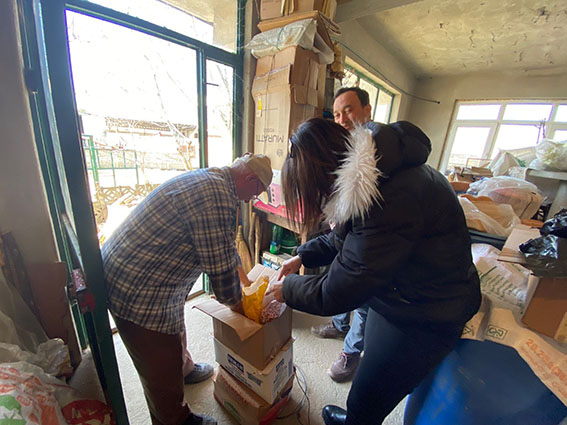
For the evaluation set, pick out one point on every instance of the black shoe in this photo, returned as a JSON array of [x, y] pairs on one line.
[[196, 419], [201, 372], [334, 415]]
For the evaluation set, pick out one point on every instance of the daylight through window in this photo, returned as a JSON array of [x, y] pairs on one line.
[[480, 130]]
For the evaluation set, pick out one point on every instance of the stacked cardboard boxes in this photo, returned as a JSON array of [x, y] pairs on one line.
[[256, 371], [288, 88]]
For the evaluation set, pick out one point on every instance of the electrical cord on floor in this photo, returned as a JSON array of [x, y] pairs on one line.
[[302, 383]]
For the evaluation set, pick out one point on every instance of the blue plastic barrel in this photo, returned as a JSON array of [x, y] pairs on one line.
[[483, 383]]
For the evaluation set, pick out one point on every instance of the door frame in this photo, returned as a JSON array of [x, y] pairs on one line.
[[61, 156]]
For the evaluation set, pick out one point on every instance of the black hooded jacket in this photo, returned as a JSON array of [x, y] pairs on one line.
[[400, 243]]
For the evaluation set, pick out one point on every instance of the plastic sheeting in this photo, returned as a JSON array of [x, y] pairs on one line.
[[18, 325], [300, 33]]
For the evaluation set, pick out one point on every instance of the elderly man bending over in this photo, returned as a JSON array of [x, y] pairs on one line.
[[185, 227]]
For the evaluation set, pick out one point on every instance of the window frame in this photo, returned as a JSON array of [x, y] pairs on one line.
[[373, 81], [47, 71], [204, 52], [495, 124]]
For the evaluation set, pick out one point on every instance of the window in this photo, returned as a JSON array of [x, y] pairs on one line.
[[482, 129], [166, 116], [214, 22], [381, 99]]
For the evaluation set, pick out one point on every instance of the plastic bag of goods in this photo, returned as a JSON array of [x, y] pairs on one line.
[[484, 215], [524, 197], [30, 396], [503, 161], [547, 255], [557, 225], [253, 296], [259, 307], [550, 155]]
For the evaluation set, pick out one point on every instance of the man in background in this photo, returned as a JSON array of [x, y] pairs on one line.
[[351, 108], [185, 227]]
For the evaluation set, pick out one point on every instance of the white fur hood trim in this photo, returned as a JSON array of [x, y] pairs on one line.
[[356, 188]]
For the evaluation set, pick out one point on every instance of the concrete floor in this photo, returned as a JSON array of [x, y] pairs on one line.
[[312, 355]]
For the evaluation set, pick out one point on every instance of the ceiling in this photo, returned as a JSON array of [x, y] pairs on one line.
[[450, 37]]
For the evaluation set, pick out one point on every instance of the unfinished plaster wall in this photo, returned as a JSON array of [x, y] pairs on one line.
[[360, 41], [434, 119], [23, 205]]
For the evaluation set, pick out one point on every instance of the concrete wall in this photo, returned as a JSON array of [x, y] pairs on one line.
[[358, 39], [434, 119], [23, 204]]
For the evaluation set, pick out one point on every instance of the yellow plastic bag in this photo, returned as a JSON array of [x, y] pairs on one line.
[[253, 297]]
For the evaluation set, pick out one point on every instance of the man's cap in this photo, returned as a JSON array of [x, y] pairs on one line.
[[259, 164]]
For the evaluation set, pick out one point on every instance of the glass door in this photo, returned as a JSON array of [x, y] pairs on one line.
[[137, 102], [120, 105]]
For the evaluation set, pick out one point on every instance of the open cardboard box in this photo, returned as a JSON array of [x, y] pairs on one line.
[[244, 404], [256, 343]]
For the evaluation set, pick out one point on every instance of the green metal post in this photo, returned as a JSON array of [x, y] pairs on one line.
[[51, 15]]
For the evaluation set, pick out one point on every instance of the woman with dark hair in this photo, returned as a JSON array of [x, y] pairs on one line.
[[399, 244]]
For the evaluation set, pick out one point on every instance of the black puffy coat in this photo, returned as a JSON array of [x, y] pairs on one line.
[[400, 242]]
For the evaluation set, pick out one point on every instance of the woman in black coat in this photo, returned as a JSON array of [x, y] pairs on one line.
[[399, 244]]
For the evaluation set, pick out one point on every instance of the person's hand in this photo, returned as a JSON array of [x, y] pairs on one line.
[[276, 291], [237, 308], [290, 266]]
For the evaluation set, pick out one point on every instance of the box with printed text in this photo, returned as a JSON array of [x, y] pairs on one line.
[[267, 382]]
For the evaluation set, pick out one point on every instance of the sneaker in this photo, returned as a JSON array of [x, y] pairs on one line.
[[201, 372], [344, 367], [327, 330], [196, 419]]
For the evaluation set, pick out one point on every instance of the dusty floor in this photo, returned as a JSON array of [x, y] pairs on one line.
[[312, 356]]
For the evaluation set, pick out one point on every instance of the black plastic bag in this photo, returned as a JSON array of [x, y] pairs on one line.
[[557, 225], [546, 256]]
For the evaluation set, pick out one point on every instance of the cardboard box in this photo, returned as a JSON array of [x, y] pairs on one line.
[[270, 9], [245, 405], [279, 109], [305, 67], [303, 89], [278, 114], [267, 382], [256, 343], [520, 234], [469, 175], [547, 310], [274, 261], [287, 89], [306, 70]]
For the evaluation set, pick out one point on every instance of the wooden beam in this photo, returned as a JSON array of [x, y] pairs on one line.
[[355, 9]]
